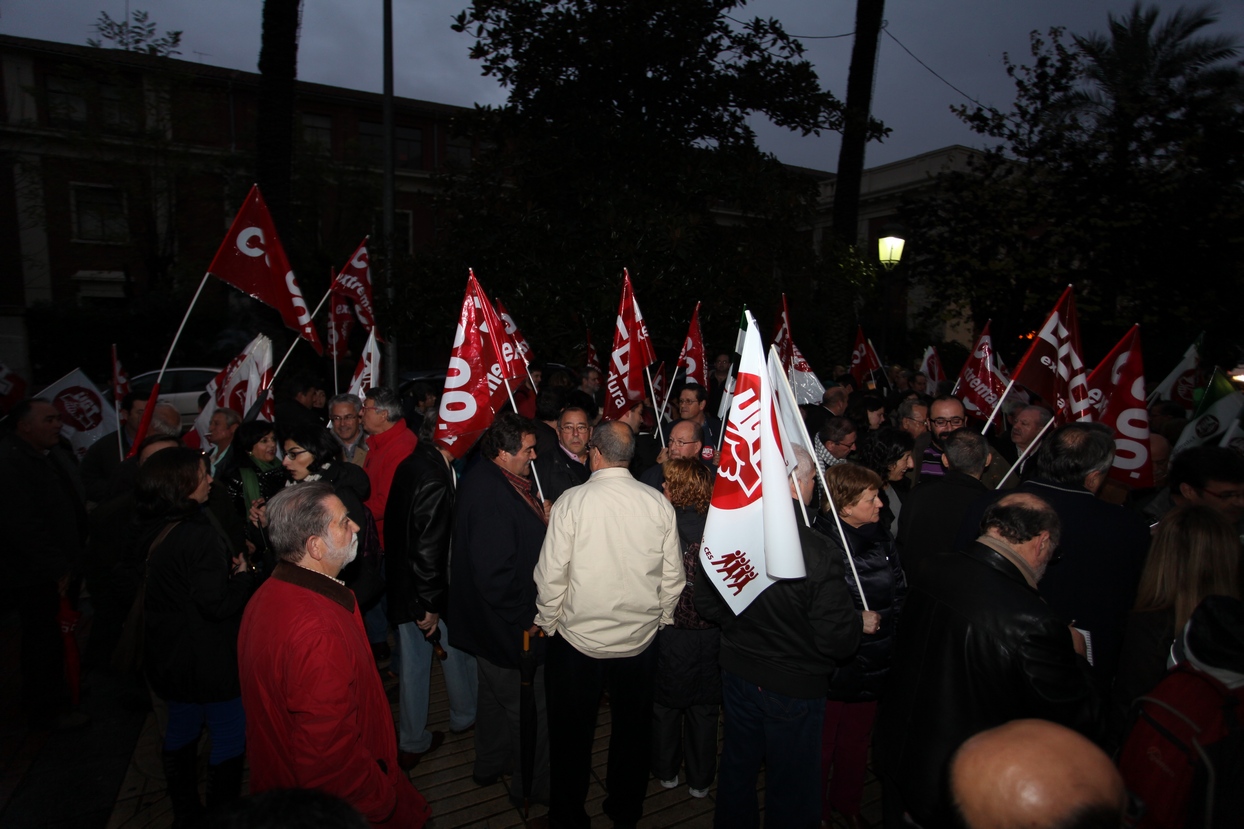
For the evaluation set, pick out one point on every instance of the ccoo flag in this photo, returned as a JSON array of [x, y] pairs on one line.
[[632, 353], [252, 259], [864, 360], [751, 538], [981, 381], [1054, 367], [1117, 390], [692, 355], [475, 379]]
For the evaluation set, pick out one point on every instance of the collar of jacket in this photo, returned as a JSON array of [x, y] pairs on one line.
[[957, 478], [991, 555], [611, 472], [380, 441], [315, 582], [1046, 483]]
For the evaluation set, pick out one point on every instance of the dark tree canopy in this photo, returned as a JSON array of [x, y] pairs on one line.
[[1119, 170], [625, 142]]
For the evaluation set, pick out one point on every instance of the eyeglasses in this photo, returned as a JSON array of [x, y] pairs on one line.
[[294, 454], [1226, 494], [676, 442], [367, 409], [343, 418], [924, 422], [948, 421], [685, 401]]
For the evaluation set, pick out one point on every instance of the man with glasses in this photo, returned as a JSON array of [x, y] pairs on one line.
[[1212, 475], [693, 406], [835, 441], [686, 440], [913, 417], [566, 466], [343, 411], [945, 415]]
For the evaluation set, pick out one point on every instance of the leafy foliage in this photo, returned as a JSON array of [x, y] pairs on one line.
[[138, 34], [1118, 169]]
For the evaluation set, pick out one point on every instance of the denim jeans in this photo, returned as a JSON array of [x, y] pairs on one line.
[[226, 722], [415, 678], [785, 734]]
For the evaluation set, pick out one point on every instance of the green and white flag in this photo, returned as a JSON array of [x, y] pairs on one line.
[[1220, 406]]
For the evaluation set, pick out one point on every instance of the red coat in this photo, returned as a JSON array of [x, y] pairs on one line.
[[316, 712], [384, 452]]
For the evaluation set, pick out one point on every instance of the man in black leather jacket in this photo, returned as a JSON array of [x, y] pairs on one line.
[[419, 517], [977, 647]]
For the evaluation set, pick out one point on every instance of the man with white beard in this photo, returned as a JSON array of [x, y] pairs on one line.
[[317, 713]]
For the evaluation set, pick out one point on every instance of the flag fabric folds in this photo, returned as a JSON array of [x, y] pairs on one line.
[[1220, 406], [1117, 391], [237, 385], [751, 538], [85, 418], [806, 385], [981, 382], [632, 353], [692, 355], [1180, 384], [353, 282], [120, 380], [864, 360], [931, 366], [367, 372], [1054, 368], [252, 260]]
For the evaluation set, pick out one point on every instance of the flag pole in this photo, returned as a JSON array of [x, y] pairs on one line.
[[332, 326], [803, 507], [998, 406], [652, 388], [116, 404], [514, 406], [1025, 453], [723, 410]]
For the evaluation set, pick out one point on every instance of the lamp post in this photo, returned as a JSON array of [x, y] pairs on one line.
[[890, 250]]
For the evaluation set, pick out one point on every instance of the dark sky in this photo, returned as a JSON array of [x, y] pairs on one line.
[[963, 41]]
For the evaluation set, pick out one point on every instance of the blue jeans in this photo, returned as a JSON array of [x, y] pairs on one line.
[[415, 678], [226, 722], [783, 732]]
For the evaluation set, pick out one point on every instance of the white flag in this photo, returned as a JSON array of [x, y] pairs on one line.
[[84, 417], [238, 384], [367, 373], [750, 540]]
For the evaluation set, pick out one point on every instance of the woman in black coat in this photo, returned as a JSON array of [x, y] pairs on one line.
[[192, 608], [313, 454], [856, 686], [687, 691], [256, 478]]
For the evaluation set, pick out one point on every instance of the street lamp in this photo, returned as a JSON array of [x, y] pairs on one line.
[[890, 250]]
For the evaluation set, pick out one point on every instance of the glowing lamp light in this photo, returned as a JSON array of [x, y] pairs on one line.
[[890, 251]]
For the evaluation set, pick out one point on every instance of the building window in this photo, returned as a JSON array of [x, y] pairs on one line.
[[407, 145], [99, 214], [66, 104], [458, 152], [403, 231], [118, 107], [100, 288], [317, 133]]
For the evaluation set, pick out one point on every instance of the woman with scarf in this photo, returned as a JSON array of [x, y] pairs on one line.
[[256, 478]]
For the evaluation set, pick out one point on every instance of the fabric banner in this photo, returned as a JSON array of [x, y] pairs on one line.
[[1053, 366], [692, 355], [238, 384], [1180, 384], [931, 366], [516, 336], [120, 379], [367, 373], [864, 362], [85, 418], [981, 382], [632, 353], [807, 386], [1221, 405], [252, 259], [340, 324], [751, 536], [474, 384], [1117, 391], [353, 282]]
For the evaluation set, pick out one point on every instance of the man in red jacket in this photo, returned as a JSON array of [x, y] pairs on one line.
[[389, 442], [317, 715]]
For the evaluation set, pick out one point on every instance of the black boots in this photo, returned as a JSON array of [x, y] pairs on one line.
[[181, 775]]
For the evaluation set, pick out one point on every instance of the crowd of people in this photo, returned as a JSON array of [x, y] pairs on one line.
[[979, 610]]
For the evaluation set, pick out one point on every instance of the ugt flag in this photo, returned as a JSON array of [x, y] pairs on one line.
[[84, 416], [1181, 382], [252, 259], [1221, 405], [1117, 390], [931, 366], [806, 385], [632, 353], [237, 385], [751, 538], [1054, 367]]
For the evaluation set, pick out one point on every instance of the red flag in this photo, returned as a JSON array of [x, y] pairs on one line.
[[511, 328], [692, 355], [863, 359], [592, 360], [632, 353], [473, 379], [354, 282], [251, 259], [1053, 367], [1116, 389], [931, 366], [981, 383], [120, 380], [340, 323], [658, 391], [806, 385], [513, 363]]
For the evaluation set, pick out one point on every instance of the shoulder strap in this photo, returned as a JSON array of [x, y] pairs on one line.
[[159, 539]]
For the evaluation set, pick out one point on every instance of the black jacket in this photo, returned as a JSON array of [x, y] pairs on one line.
[[877, 563], [192, 611], [418, 518], [364, 574], [793, 635], [492, 592], [932, 512], [45, 517], [559, 472], [688, 650], [977, 647]]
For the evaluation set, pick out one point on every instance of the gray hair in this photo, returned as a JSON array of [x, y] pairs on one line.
[[805, 468], [295, 514], [616, 442], [1043, 414], [352, 399], [966, 450], [386, 401], [231, 417], [157, 426]]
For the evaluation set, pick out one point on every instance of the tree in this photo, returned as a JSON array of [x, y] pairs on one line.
[[1118, 170], [135, 35], [868, 14], [625, 143]]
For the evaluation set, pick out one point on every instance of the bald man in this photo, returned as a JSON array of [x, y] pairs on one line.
[[1035, 774]]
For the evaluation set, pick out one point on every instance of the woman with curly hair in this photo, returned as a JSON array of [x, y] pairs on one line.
[[687, 693], [887, 451]]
